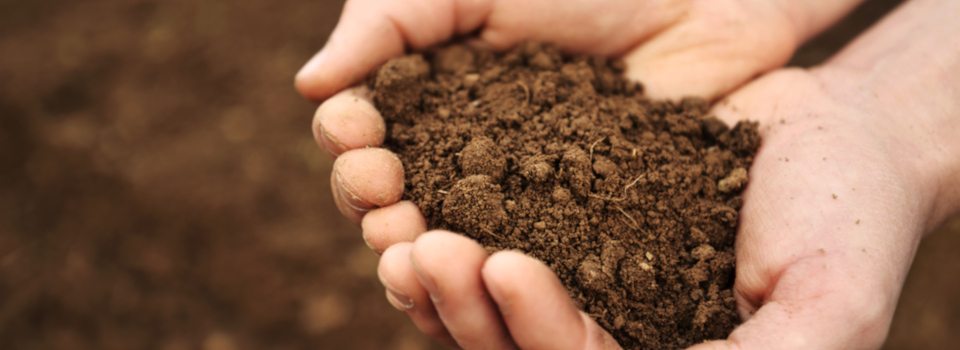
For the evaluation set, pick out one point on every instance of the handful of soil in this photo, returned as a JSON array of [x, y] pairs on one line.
[[632, 202]]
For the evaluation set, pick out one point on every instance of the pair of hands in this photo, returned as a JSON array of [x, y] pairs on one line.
[[859, 159]]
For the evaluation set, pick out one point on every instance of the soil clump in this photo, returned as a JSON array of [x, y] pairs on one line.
[[632, 202]]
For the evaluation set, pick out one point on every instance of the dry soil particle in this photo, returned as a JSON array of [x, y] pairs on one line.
[[633, 202]]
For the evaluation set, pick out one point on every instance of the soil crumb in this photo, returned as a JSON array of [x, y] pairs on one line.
[[632, 202]]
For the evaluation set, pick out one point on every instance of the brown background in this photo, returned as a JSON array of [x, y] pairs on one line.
[[160, 189]]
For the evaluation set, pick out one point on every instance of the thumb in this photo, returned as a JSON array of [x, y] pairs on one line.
[[536, 307], [372, 31], [811, 309], [720, 45]]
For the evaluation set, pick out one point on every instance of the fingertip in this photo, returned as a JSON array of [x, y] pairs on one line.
[[392, 265], [350, 211], [501, 273], [528, 292], [405, 293], [399, 222], [347, 121], [369, 177], [494, 277], [502, 261], [448, 267], [673, 79], [436, 238], [309, 81], [446, 256], [364, 38], [365, 179], [391, 271]]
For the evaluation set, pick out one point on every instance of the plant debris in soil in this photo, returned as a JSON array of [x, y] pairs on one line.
[[632, 202]]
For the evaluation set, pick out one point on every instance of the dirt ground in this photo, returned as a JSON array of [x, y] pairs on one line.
[[160, 189]]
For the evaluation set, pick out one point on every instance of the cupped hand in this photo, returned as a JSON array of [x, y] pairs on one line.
[[675, 47], [857, 163], [457, 294], [838, 201], [860, 159]]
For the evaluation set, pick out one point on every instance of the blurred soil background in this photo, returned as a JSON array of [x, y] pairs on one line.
[[160, 188]]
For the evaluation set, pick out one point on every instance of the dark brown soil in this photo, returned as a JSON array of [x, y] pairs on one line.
[[632, 202]]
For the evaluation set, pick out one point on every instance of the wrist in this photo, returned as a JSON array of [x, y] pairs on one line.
[[915, 123], [905, 76]]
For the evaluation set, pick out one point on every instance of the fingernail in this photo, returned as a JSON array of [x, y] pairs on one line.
[[348, 196], [330, 143], [399, 301], [399, 297], [366, 240], [426, 281], [313, 64]]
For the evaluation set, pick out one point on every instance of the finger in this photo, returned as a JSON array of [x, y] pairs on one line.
[[398, 222], [814, 309], [448, 266], [720, 45], [606, 28], [536, 307], [364, 179], [406, 294], [348, 120], [841, 297], [744, 104], [372, 31]]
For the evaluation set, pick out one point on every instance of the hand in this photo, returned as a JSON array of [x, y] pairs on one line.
[[675, 47], [860, 159], [805, 305]]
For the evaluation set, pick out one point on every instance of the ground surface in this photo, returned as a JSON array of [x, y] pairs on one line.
[[159, 188]]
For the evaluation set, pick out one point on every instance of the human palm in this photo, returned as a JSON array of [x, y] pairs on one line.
[[826, 232], [837, 203]]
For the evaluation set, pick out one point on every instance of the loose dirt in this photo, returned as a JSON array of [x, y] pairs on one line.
[[632, 202]]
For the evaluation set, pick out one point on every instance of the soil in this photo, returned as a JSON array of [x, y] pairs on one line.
[[632, 202]]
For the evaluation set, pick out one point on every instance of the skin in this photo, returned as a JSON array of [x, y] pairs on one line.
[[676, 47], [859, 161]]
